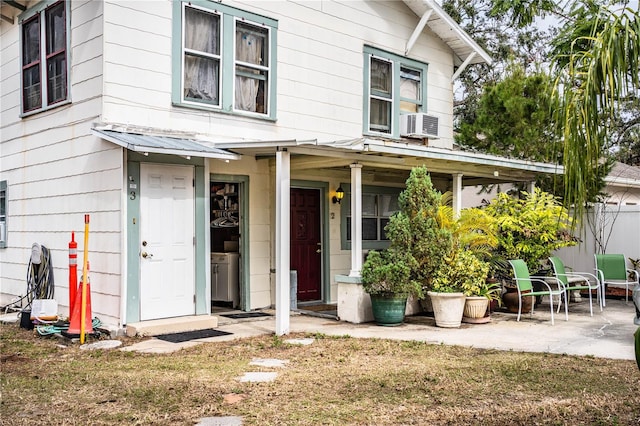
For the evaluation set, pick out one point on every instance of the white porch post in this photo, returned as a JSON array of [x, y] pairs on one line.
[[531, 187], [283, 184], [457, 194], [356, 220]]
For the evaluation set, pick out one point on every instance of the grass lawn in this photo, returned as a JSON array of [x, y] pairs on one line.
[[334, 381]]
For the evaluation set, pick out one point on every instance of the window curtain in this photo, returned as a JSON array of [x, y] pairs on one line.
[[201, 74], [409, 89], [249, 48]]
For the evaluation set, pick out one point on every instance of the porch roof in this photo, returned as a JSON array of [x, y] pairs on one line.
[[387, 158], [163, 145]]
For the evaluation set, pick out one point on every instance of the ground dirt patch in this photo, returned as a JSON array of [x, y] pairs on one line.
[[334, 381]]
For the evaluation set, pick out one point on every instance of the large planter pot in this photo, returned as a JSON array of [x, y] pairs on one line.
[[447, 308], [475, 306], [510, 300], [388, 310]]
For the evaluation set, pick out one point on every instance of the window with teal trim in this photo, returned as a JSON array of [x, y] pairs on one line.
[[3, 214], [378, 204], [393, 85], [44, 56], [227, 59]]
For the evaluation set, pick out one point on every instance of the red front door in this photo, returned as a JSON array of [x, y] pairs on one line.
[[305, 242]]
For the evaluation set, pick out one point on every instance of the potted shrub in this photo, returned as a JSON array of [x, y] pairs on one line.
[[462, 275], [415, 230], [386, 278]]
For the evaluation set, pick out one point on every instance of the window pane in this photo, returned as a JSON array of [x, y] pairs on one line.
[[388, 204], [251, 93], [201, 79], [409, 89], [369, 229], [252, 44], [202, 31], [57, 78], [410, 84], [381, 76], [380, 112], [56, 34], [31, 88], [368, 205], [31, 41]]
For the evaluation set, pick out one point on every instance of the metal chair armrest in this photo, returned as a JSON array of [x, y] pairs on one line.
[[550, 290]]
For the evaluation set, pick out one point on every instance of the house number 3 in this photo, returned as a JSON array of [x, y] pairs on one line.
[[132, 195]]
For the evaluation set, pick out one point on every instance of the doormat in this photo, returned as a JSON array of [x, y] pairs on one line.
[[191, 335], [245, 315]]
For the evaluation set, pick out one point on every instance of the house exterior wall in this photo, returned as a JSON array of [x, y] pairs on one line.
[[320, 69], [319, 95], [57, 171], [121, 73]]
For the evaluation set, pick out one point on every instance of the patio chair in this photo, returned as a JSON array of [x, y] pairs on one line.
[[612, 270], [571, 281], [524, 284]]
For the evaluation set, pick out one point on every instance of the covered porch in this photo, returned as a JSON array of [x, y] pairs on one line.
[[360, 162]]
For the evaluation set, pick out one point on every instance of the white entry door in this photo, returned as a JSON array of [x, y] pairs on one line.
[[167, 278]]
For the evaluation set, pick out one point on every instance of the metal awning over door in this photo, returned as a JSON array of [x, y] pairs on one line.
[[164, 145]]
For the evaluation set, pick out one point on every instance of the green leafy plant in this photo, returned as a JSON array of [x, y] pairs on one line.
[[388, 273], [492, 290], [463, 272], [530, 228]]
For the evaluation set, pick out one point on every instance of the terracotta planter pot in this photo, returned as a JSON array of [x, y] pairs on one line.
[[447, 308], [510, 300]]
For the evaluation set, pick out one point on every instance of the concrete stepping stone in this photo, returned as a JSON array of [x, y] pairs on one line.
[[102, 344], [269, 362], [258, 377], [220, 421], [299, 341]]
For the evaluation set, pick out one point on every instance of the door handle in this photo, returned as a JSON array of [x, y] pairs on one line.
[[147, 255], [319, 251]]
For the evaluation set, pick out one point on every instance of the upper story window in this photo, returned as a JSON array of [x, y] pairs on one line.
[[227, 59], [45, 64], [393, 85]]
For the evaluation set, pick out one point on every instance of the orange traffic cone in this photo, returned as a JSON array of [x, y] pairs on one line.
[[74, 322]]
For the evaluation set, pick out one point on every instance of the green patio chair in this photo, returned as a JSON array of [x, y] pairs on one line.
[[612, 270], [571, 281], [524, 284]]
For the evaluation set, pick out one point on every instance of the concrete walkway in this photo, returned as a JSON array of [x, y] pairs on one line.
[[608, 334]]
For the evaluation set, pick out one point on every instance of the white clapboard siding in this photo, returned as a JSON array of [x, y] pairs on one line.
[[57, 171], [320, 64]]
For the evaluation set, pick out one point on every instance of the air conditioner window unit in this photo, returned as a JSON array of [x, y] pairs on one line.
[[419, 125]]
